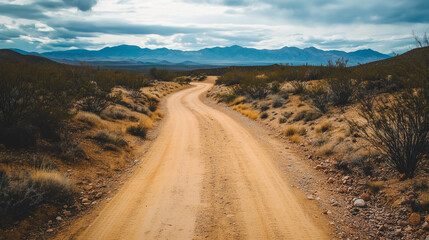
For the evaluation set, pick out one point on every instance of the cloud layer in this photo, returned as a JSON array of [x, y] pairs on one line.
[[45, 25]]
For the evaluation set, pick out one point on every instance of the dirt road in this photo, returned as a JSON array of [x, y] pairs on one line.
[[205, 177]]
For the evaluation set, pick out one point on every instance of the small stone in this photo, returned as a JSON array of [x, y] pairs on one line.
[[402, 223], [230, 215], [85, 200], [382, 228], [49, 230], [59, 218], [409, 229], [330, 180], [365, 196], [65, 206], [425, 226], [321, 167], [398, 232], [359, 203], [67, 213], [310, 197], [414, 219], [98, 195]]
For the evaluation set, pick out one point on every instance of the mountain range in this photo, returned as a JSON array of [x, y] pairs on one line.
[[235, 55]]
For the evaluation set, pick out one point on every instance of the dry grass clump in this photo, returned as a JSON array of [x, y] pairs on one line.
[[306, 115], [325, 126], [294, 138], [89, 118], [54, 185], [243, 109], [21, 193], [137, 130], [302, 131], [157, 115], [237, 100], [375, 186], [117, 112], [326, 150], [107, 136], [290, 130]]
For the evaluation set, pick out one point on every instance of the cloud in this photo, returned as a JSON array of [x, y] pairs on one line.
[[109, 27], [21, 11], [7, 33], [83, 5]]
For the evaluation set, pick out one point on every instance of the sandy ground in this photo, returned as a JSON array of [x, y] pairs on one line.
[[205, 177]]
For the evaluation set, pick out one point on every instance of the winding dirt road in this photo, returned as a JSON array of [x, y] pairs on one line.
[[205, 177]]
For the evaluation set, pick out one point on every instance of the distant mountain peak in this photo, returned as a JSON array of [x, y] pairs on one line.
[[232, 55]]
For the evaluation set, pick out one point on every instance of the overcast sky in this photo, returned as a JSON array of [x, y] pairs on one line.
[[46, 25]]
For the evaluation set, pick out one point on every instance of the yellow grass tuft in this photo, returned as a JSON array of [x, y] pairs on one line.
[[290, 131], [294, 138], [89, 118], [158, 114], [51, 181], [146, 121], [327, 150], [237, 100], [325, 126]]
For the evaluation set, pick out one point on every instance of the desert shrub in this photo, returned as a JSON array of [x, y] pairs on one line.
[[282, 120], [398, 128], [326, 150], [137, 130], [294, 138], [70, 149], [115, 138], [325, 126], [300, 115], [21, 195], [264, 115], [162, 74], [88, 118], [302, 131], [277, 101], [287, 115], [255, 88], [152, 102], [319, 96], [275, 87], [265, 106], [298, 87], [226, 98], [237, 100], [290, 130]]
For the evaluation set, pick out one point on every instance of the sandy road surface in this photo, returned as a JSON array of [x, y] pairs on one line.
[[205, 177]]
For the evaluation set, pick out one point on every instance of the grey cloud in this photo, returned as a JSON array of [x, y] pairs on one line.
[[8, 34], [83, 5], [21, 11], [121, 28]]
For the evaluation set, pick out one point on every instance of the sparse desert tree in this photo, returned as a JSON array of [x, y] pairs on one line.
[[398, 128], [318, 93]]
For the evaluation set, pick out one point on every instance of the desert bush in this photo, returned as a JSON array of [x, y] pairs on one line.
[[290, 130], [255, 88], [237, 100], [162, 74], [398, 128], [298, 87], [325, 126], [115, 138], [275, 87], [137, 130], [264, 115], [265, 106], [326, 150], [302, 131], [226, 98], [277, 101], [282, 120], [21, 195], [89, 118], [319, 96], [306, 115], [294, 138]]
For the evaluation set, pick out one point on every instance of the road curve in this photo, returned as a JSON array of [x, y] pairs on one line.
[[205, 177]]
